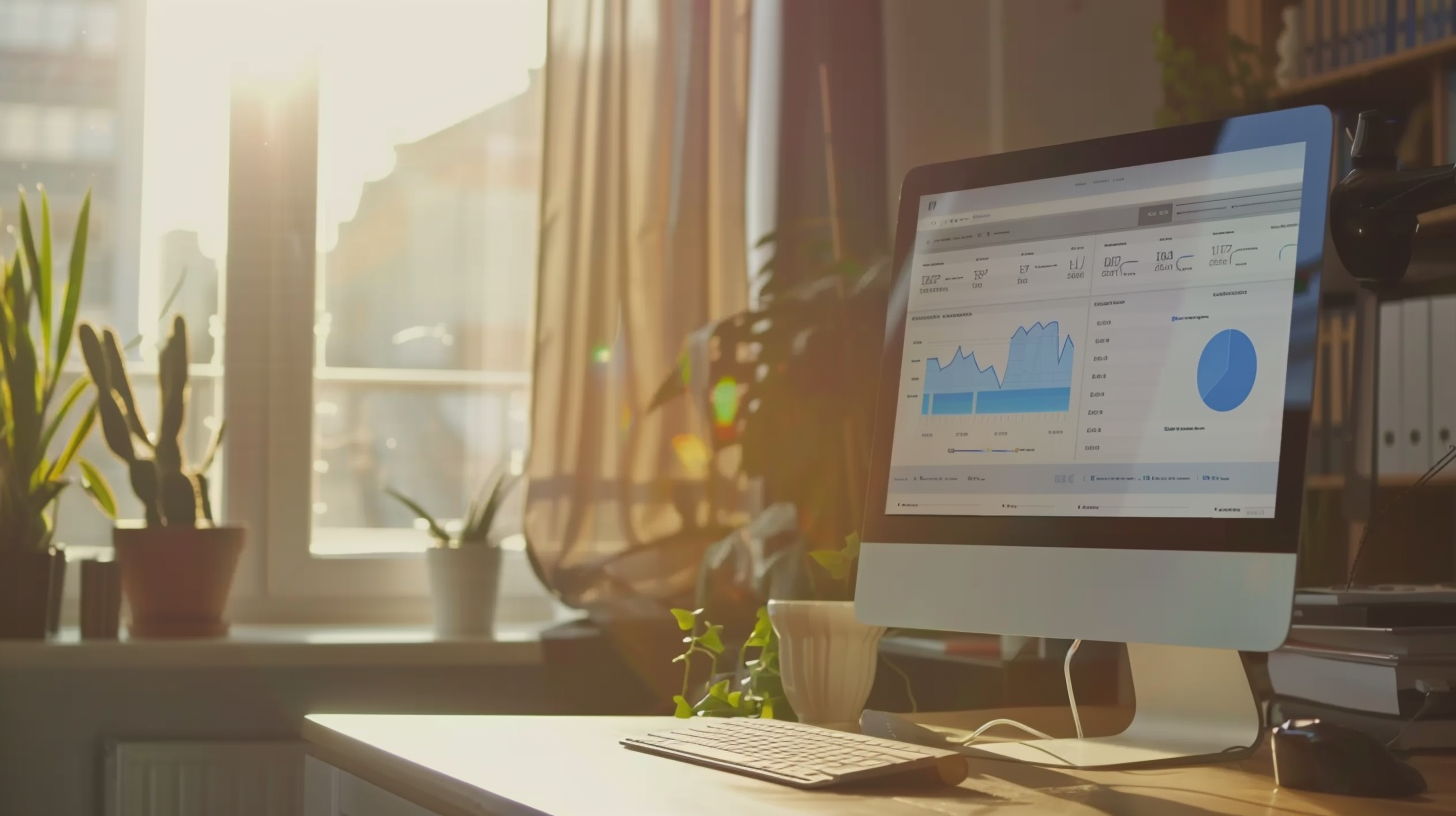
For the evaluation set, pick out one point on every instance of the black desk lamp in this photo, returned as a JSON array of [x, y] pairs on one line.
[[1374, 224]]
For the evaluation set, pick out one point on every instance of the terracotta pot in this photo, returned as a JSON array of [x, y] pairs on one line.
[[176, 580], [25, 592]]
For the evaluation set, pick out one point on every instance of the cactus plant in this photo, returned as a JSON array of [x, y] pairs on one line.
[[172, 494]]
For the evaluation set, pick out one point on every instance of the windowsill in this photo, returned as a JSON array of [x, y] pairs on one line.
[[280, 646]]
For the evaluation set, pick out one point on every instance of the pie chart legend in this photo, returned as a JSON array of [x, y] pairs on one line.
[[1226, 370]]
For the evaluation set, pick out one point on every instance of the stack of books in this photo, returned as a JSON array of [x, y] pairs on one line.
[[1357, 661]]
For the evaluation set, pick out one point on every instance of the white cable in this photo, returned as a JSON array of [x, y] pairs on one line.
[[975, 735], [1071, 698]]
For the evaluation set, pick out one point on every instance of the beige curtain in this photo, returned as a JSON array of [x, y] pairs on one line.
[[642, 242]]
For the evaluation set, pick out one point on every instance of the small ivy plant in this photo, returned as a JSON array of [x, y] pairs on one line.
[[761, 692], [762, 689]]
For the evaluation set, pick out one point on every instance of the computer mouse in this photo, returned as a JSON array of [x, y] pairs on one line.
[[1321, 756]]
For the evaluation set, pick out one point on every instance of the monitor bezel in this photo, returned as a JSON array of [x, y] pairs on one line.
[[1280, 534]]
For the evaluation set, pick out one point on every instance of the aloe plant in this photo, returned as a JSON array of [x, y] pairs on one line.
[[172, 493], [479, 517], [33, 478]]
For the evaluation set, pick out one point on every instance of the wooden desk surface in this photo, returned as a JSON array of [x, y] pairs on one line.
[[573, 766]]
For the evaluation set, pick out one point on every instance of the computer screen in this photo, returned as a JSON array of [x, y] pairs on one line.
[[1104, 344]]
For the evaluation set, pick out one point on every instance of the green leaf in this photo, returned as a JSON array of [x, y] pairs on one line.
[[43, 292], [719, 691], [78, 437], [684, 709], [67, 401], [436, 530], [72, 304], [735, 699], [766, 711], [40, 279], [97, 488], [833, 561], [685, 620], [762, 629], [712, 640]]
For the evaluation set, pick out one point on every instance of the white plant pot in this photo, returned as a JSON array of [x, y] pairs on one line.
[[827, 658], [464, 582]]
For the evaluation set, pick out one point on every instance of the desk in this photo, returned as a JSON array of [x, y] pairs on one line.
[[363, 765]]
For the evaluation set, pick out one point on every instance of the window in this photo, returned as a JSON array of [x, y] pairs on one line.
[[394, 350], [99, 22], [427, 173], [60, 127], [21, 138]]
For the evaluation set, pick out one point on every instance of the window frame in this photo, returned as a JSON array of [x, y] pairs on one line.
[[269, 352]]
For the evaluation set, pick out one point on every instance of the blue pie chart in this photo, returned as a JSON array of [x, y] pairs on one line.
[[1226, 370]]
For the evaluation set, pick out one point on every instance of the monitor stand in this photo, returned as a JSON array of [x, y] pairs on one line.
[[1193, 705]]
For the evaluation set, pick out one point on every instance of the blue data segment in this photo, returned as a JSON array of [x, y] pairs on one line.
[[1226, 370], [1037, 378]]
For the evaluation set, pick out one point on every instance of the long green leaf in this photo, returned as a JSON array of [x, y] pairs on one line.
[[43, 289], [40, 282], [77, 274], [435, 529], [21, 377], [67, 400], [73, 446], [97, 488]]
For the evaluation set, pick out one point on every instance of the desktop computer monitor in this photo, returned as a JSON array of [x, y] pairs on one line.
[[1095, 390]]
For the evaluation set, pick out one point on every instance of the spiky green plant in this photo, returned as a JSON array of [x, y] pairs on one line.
[[172, 494], [479, 517], [32, 478]]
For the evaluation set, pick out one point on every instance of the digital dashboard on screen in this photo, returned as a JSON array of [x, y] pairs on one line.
[[1105, 344]]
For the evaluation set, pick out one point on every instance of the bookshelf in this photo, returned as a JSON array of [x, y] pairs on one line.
[[1408, 72], [1403, 76]]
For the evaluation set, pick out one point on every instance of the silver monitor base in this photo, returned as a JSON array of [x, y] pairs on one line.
[[1192, 705]]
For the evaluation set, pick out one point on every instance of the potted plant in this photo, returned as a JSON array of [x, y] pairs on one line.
[[176, 569], [32, 565], [465, 566]]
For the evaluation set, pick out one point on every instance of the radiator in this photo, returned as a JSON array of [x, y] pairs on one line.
[[204, 779]]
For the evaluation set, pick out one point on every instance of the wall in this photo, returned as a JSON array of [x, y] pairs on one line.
[[54, 722], [969, 77]]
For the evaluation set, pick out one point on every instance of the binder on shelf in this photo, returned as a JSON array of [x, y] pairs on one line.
[[1388, 413], [1326, 18], [1443, 380], [1343, 49], [1308, 38], [1389, 23], [1415, 381]]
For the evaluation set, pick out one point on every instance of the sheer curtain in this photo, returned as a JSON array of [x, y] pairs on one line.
[[642, 242]]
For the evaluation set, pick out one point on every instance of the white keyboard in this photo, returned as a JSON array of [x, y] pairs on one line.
[[804, 756]]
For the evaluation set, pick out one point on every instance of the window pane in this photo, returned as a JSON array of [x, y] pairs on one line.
[[428, 170], [159, 206]]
